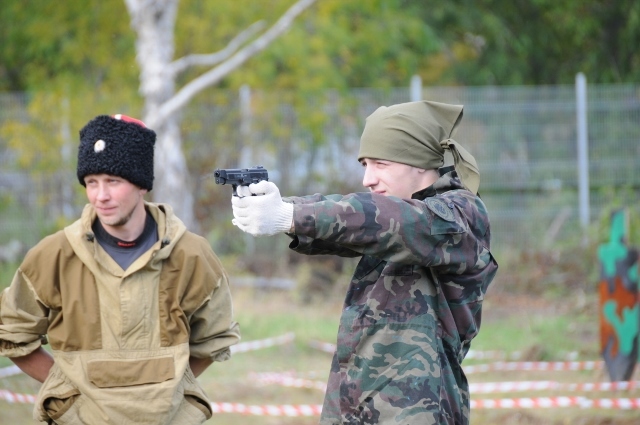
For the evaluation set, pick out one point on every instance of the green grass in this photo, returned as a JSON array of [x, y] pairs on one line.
[[544, 331], [551, 335]]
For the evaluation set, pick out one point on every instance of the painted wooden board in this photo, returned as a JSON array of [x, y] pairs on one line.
[[619, 302]]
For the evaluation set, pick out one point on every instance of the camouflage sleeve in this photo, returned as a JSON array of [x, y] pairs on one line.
[[433, 232], [310, 246], [310, 199]]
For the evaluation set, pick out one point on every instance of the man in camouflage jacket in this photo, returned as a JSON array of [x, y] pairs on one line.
[[414, 302]]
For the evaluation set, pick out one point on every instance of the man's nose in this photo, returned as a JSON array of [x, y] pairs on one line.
[[103, 192], [369, 179]]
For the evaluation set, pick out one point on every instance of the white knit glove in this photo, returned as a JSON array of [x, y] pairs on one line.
[[262, 215]]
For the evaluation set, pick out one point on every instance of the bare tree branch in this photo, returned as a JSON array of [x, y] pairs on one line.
[[211, 59], [213, 76]]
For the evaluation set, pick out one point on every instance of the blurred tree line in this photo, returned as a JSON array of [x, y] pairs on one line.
[[88, 46], [77, 59]]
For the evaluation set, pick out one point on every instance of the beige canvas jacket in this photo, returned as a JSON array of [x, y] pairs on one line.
[[121, 340]]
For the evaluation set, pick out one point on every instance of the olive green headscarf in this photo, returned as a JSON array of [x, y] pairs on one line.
[[419, 134]]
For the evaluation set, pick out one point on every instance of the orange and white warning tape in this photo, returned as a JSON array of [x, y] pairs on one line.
[[262, 343], [515, 355], [17, 398], [507, 387], [554, 402], [533, 366], [269, 410], [315, 410], [290, 379]]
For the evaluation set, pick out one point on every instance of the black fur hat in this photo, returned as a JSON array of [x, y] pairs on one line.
[[117, 145]]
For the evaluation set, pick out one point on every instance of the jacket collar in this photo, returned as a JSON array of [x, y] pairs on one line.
[[170, 227], [448, 180]]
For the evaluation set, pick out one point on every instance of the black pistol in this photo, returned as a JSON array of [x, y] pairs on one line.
[[240, 176]]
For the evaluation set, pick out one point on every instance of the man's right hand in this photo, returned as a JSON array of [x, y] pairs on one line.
[[262, 215]]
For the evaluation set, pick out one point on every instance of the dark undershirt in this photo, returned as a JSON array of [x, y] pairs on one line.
[[126, 252]]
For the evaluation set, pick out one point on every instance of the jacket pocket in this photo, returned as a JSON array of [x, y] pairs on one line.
[[126, 373], [368, 267], [64, 411], [446, 217], [59, 399], [395, 269], [195, 395]]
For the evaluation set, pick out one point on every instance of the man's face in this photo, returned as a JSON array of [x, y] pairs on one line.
[[395, 179], [114, 198]]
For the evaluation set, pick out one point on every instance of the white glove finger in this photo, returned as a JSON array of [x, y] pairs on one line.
[[238, 202], [243, 222], [241, 213], [239, 225], [263, 187], [248, 205], [252, 202], [243, 191], [243, 202]]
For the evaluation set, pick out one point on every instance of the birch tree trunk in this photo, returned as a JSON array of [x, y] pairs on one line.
[[154, 23]]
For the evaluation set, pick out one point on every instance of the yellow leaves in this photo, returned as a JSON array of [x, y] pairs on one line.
[[36, 140], [46, 137]]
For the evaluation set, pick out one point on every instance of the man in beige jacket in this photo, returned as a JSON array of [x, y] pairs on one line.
[[133, 305]]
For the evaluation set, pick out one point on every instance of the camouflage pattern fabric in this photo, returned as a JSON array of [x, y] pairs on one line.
[[413, 305]]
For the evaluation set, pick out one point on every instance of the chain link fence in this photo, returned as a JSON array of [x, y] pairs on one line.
[[524, 139]]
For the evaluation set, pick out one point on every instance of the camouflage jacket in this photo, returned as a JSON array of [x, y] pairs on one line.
[[414, 301]]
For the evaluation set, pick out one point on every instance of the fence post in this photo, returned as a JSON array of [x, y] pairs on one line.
[[416, 88], [246, 152], [583, 151]]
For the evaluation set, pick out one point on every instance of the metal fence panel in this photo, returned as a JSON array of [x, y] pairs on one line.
[[524, 139]]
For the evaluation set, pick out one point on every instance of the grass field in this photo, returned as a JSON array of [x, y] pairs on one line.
[[537, 329]]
